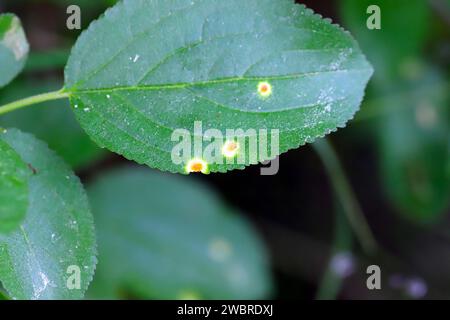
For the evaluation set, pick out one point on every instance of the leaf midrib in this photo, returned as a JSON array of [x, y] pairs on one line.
[[136, 37], [184, 85]]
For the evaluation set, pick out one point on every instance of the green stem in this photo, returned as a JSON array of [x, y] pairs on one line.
[[33, 100], [346, 196], [331, 282]]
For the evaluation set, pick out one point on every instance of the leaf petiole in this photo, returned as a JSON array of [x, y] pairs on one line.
[[346, 196], [61, 94]]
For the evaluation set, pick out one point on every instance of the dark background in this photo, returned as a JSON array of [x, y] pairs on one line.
[[295, 210]]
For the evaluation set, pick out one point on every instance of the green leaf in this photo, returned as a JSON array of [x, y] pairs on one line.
[[168, 237], [414, 148], [413, 136], [408, 33], [14, 174], [13, 48], [58, 230], [51, 121], [147, 68], [3, 295], [47, 60]]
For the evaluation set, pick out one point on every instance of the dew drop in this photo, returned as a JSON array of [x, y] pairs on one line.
[[54, 238]]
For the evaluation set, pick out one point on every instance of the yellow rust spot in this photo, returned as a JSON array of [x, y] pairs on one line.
[[264, 89], [230, 149], [197, 166]]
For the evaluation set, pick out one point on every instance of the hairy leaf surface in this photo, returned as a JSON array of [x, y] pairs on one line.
[[57, 234], [148, 68], [14, 174]]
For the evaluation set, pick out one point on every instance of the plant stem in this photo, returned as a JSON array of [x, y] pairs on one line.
[[346, 196], [331, 283], [33, 100]]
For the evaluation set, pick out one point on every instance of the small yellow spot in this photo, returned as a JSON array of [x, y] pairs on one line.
[[230, 149], [197, 166], [264, 89]]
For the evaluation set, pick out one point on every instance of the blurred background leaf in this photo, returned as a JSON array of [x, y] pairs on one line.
[[404, 31], [413, 127], [169, 237], [48, 60], [14, 47], [414, 150]]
